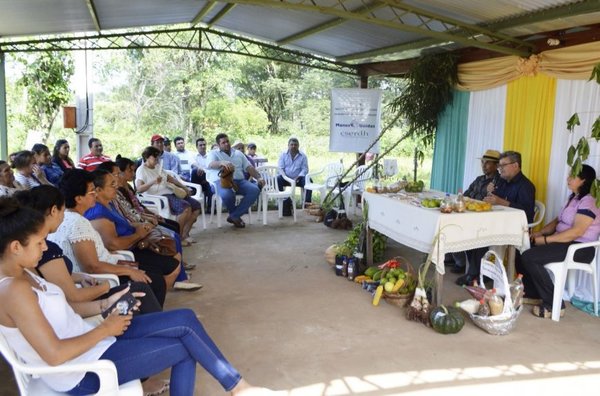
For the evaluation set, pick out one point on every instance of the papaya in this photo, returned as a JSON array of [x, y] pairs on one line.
[[377, 275], [371, 271]]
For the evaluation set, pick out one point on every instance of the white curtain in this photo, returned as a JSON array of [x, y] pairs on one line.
[[583, 98], [485, 128]]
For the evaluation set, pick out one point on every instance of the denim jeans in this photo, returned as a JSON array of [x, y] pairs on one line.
[[155, 342], [250, 192]]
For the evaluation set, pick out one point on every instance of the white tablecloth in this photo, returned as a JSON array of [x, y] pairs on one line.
[[417, 227]]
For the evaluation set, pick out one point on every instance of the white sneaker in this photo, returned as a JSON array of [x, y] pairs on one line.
[[187, 286]]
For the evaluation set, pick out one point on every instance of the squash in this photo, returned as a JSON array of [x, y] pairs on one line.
[[330, 253], [446, 320]]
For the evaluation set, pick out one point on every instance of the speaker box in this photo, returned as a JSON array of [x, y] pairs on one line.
[[69, 117]]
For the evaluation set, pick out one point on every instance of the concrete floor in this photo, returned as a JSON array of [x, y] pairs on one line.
[[284, 319]]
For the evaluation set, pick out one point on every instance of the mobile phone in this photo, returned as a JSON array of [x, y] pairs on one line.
[[123, 305]]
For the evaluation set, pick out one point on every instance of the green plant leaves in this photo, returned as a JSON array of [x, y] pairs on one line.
[[571, 155], [573, 121], [596, 129], [595, 74]]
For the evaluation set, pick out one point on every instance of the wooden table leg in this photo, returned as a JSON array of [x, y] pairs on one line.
[[369, 251], [439, 284], [510, 265]]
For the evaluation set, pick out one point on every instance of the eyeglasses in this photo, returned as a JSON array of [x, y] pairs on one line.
[[92, 192], [500, 166]]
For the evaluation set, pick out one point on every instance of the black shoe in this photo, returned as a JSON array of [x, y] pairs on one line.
[[457, 270], [466, 280], [237, 223]]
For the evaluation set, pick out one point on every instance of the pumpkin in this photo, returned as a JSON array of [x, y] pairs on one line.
[[446, 320], [330, 253]]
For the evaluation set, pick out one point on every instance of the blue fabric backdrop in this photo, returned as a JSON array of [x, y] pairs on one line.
[[450, 142]]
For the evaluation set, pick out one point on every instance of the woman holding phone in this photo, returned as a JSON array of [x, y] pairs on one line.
[[43, 329]]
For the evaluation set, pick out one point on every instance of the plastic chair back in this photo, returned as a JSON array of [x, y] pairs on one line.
[[539, 211]]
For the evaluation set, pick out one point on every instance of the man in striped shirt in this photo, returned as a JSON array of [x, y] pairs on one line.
[[90, 162]]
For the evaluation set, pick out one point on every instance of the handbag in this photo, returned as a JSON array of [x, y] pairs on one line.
[[159, 243], [179, 192], [226, 177]]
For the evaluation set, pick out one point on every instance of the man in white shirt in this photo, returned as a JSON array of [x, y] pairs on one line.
[[198, 172], [229, 159], [186, 159]]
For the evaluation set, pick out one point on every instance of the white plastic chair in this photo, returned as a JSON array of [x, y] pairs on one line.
[[539, 211], [560, 271], [216, 207], [331, 171], [271, 191], [29, 383], [363, 175]]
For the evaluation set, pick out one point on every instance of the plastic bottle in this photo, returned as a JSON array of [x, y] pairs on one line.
[[516, 291], [484, 308], [471, 305], [352, 269], [446, 206], [495, 303], [459, 204], [345, 266]]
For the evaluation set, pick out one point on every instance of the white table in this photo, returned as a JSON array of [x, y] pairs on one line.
[[416, 227]]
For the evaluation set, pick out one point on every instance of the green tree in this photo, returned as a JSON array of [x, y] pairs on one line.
[[46, 80]]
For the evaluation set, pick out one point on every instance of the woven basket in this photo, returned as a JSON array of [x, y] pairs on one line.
[[399, 300]]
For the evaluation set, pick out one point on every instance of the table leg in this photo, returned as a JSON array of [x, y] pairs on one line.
[[369, 251], [439, 283], [510, 265]]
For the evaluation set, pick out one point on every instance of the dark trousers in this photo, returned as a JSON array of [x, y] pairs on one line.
[[474, 257], [206, 188], [536, 279], [281, 183]]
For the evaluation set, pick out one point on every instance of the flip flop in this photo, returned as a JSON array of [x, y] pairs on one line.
[[163, 389]]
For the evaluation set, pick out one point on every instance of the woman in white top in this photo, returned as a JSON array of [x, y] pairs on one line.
[[43, 329], [151, 178], [28, 173]]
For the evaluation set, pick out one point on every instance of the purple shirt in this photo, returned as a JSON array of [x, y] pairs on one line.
[[585, 206]]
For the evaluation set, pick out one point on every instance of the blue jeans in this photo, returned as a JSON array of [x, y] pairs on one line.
[[157, 341], [250, 192]]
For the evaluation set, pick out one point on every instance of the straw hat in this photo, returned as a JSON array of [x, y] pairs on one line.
[[491, 155]]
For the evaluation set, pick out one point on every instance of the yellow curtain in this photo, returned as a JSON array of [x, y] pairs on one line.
[[528, 126], [573, 63]]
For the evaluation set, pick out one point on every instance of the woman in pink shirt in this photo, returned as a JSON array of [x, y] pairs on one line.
[[578, 221]]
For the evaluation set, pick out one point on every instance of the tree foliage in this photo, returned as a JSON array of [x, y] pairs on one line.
[[46, 80]]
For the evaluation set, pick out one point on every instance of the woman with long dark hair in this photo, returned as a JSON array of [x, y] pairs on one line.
[[578, 221], [60, 155], [43, 329]]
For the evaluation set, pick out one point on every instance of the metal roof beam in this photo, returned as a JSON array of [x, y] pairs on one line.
[[580, 8], [221, 13], [499, 43], [329, 24], [199, 39], [93, 14], [202, 13]]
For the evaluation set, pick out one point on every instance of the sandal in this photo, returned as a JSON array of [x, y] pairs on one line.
[[166, 384], [542, 312]]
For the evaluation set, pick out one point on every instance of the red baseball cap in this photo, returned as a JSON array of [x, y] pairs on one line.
[[156, 138]]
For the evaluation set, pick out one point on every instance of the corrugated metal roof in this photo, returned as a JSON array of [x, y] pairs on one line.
[[374, 34]]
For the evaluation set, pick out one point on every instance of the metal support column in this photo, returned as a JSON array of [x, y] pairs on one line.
[[3, 119]]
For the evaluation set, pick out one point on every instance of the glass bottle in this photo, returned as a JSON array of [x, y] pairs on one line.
[[459, 203], [446, 205], [352, 268], [495, 302], [484, 308]]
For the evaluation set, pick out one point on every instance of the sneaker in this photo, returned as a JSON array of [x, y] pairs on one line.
[[187, 286]]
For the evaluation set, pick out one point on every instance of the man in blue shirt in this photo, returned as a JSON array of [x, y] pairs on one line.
[[294, 165], [168, 160], [229, 159], [517, 192]]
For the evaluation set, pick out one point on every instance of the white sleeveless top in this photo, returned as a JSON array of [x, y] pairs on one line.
[[66, 324]]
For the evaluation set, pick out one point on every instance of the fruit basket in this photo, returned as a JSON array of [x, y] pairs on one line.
[[405, 289]]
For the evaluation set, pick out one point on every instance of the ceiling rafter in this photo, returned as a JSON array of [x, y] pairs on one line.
[[329, 24], [202, 13], [477, 37], [199, 39], [573, 9], [93, 14], [228, 7]]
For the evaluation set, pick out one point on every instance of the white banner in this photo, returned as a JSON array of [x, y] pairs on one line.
[[355, 119]]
